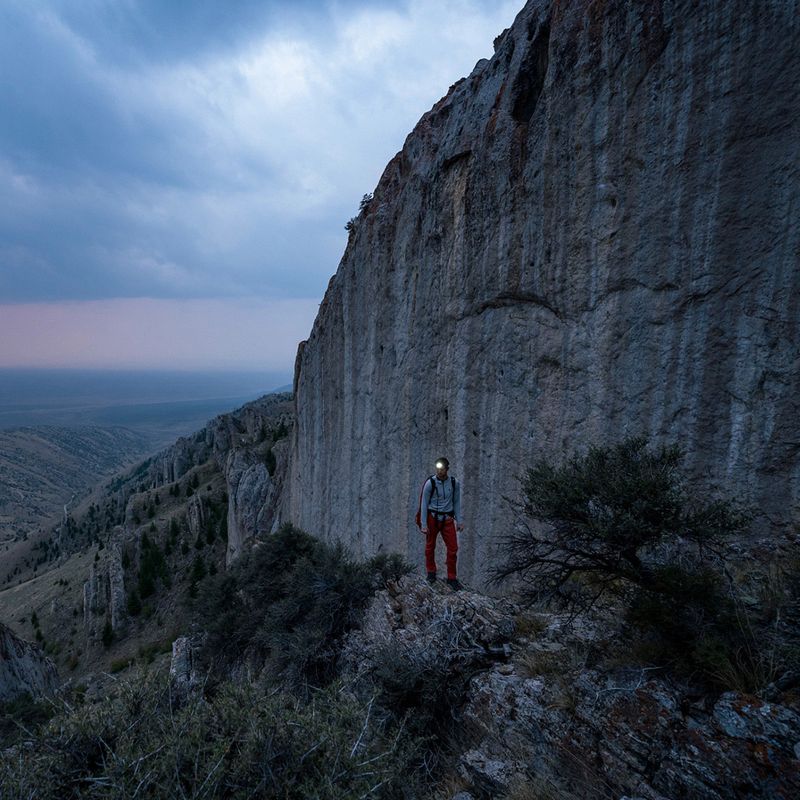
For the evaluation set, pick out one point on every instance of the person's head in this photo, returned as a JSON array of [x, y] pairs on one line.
[[442, 465]]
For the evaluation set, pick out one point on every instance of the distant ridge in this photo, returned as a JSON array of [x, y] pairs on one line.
[[43, 468], [174, 403]]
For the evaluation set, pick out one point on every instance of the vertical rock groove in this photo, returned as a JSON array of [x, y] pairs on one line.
[[530, 79]]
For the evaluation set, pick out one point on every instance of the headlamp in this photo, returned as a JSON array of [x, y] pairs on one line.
[[440, 465]]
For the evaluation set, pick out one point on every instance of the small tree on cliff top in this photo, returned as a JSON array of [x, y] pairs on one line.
[[602, 523]]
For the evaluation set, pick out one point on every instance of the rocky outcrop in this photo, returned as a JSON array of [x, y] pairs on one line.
[[24, 669], [104, 593], [251, 423], [183, 676], [248, 488], [537, 715], [248, 448], [238, 444], [196, 516], [253, 495], [591, 236], [433, 626], [242, 428], [552, 723], [173, 462]]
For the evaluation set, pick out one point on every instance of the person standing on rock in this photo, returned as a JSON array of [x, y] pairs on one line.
[[440, 513]]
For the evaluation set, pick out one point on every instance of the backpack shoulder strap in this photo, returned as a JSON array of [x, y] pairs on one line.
[[434, 487]]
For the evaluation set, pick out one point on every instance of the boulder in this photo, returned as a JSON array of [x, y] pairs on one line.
[[104, 593], [253, 495]]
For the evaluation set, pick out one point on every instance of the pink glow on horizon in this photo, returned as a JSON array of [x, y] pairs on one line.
[[145, 333]]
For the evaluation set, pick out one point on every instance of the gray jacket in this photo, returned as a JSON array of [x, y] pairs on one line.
[[443, 499]]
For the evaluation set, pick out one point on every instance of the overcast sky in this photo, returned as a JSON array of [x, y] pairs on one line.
[[175, 175]]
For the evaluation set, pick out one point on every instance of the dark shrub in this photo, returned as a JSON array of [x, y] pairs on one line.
[[271, 463], [152, 567], [422, 692], [108, 634], [607, 519], [620, 522], [134, 604], [289, 602]]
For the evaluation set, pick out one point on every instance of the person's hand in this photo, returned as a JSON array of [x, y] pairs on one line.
[[460, 526], [424, 530]]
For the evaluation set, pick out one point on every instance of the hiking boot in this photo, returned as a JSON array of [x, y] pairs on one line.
[[454, 584], [431, 577]]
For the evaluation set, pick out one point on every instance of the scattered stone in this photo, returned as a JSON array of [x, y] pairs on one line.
[[629, 732], [490, 776]]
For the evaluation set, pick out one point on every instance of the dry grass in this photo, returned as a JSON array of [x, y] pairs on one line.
[[540, 788], [565, 697], [450, 786], [537, 662], [564, 775], [581, 778], [241, 741], [530, 624]]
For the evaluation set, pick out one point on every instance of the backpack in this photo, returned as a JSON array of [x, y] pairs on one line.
[[432, 479]]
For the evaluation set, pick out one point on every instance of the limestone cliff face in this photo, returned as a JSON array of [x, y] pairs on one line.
[[24, 669], [594, 235]]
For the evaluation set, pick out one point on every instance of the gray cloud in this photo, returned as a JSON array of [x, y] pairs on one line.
[[167, 31], [207, 149]]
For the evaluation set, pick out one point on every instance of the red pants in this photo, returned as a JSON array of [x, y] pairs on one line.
[[447, 527]]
